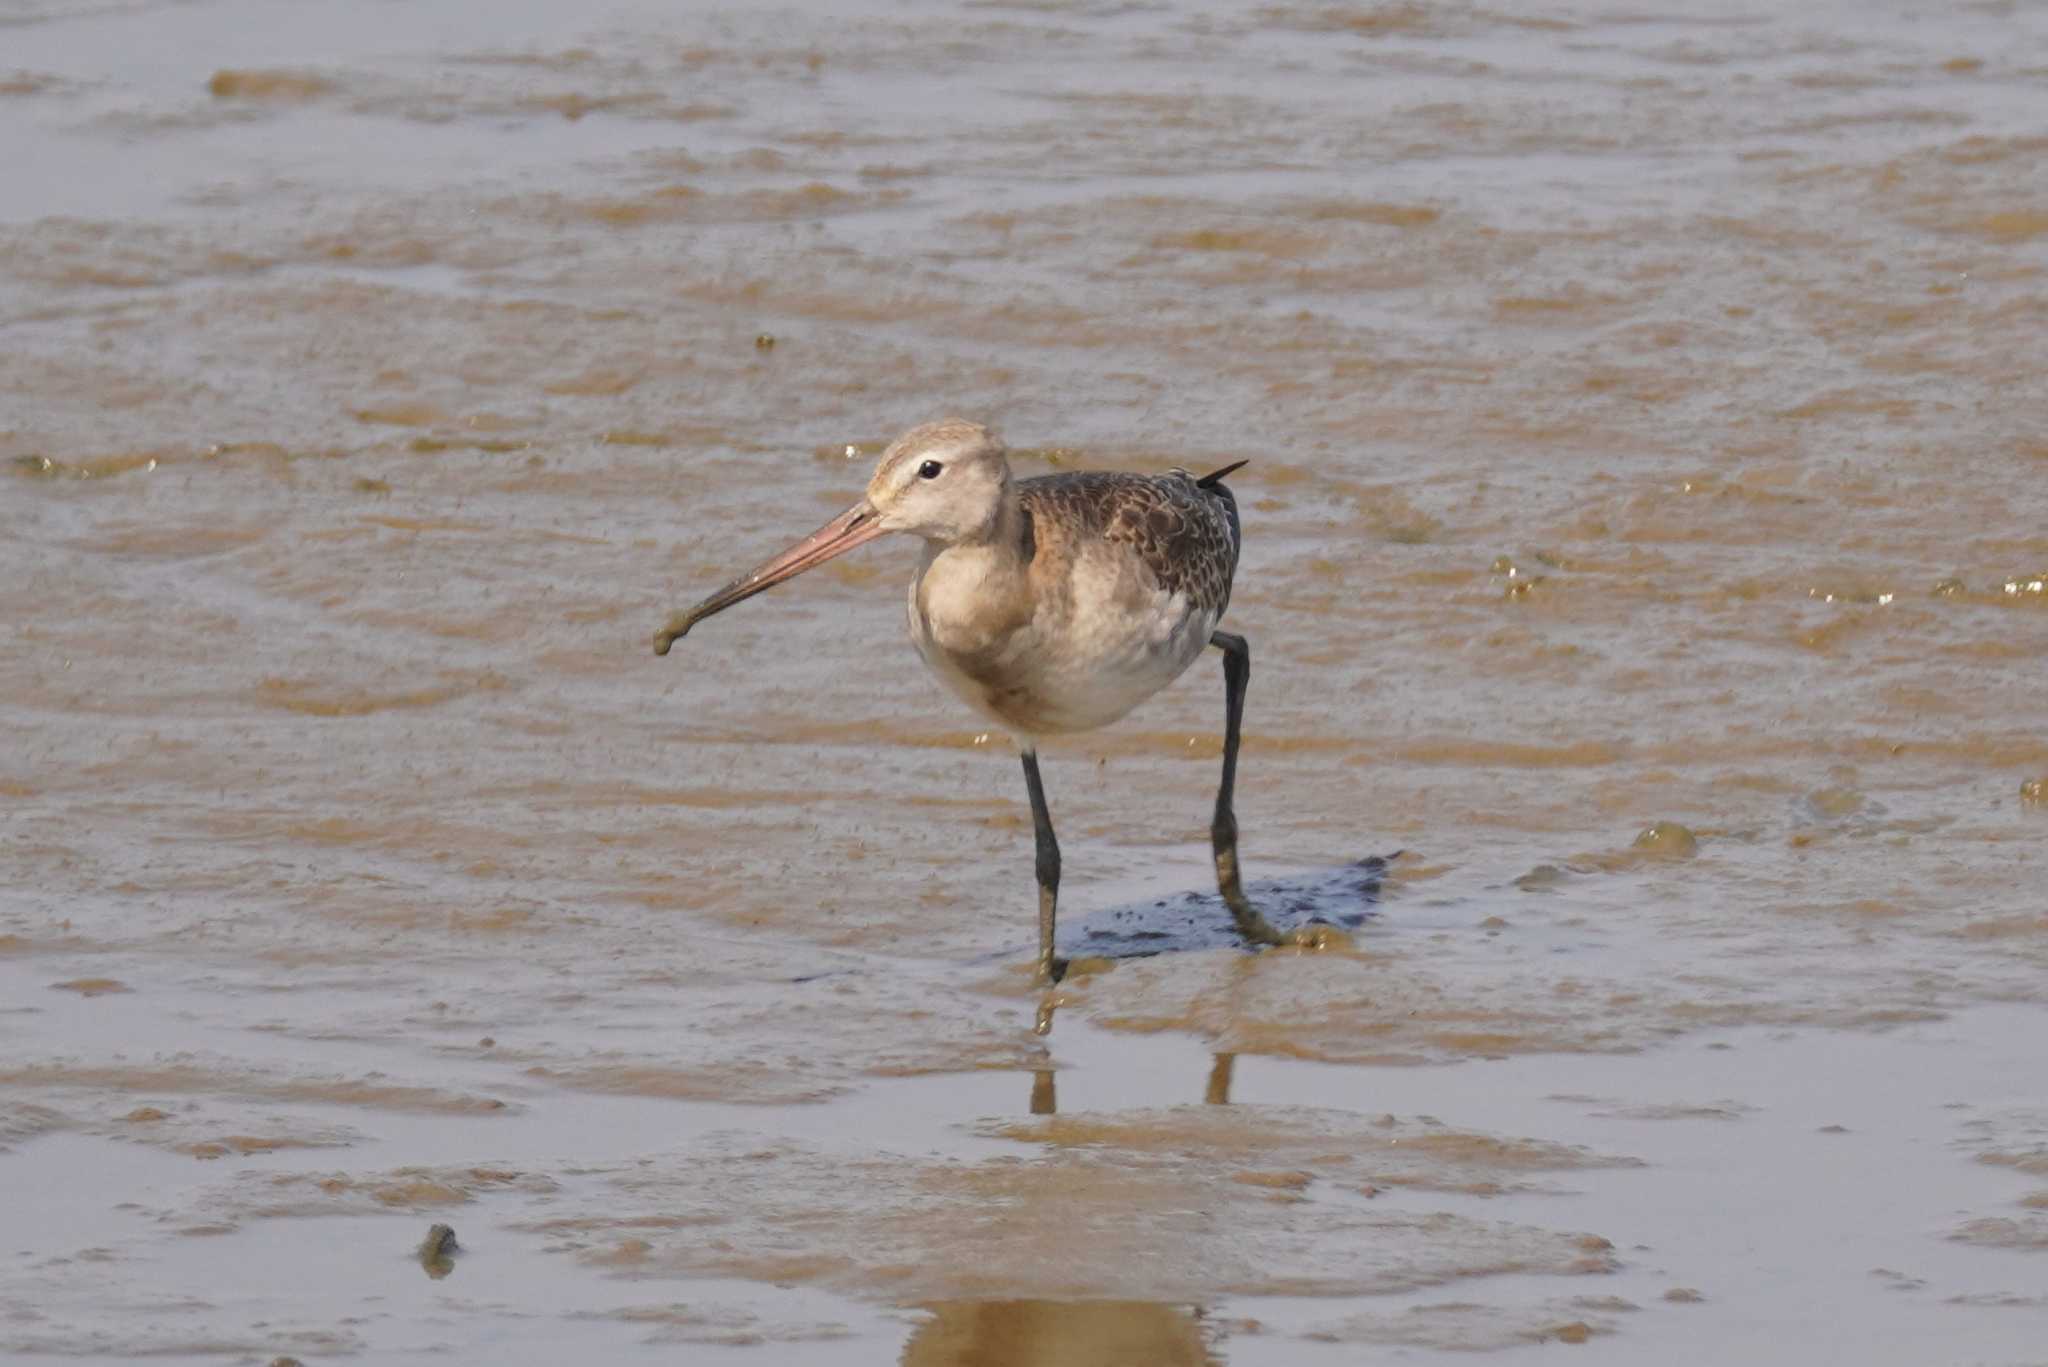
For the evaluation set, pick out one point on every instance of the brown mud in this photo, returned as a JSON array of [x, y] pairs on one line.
[[1645, 535]]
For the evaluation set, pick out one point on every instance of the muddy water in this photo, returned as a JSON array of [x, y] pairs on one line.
[[1645, 538]]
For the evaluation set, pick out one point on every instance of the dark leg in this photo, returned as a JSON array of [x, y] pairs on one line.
[[1049, 968], [1237, 672]]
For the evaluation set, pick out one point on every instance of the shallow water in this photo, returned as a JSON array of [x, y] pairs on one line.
[[1643, 408]]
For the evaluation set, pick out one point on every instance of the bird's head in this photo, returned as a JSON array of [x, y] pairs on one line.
[[944, 481]]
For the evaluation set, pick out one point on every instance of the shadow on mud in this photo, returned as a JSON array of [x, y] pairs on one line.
[[1344, 897]]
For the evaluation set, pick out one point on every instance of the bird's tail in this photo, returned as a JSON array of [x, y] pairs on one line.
[[1212, 480]]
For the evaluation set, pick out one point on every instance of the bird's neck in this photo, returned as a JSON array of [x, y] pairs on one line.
[[1004, 542], [973, 591]]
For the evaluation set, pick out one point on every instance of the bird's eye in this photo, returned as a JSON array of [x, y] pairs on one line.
[[931, 469]]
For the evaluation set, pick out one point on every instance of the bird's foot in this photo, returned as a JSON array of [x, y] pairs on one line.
[[1250, 924], [1317, 937], [1314, 937]]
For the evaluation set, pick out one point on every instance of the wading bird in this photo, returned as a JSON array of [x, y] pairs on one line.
[[1051, 605]]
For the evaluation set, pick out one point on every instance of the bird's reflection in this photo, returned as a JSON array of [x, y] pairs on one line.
[[1045, 1096], [1045, 1091], [1081, 1333], [1040, 1333], [1217, 1093]]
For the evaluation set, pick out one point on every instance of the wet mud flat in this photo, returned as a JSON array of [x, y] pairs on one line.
[[1130, 1194], [1644, 536]]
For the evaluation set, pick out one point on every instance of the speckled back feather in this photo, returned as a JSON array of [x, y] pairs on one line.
[[1185, 534]]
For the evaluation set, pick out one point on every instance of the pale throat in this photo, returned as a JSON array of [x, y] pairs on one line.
[[977, 588]]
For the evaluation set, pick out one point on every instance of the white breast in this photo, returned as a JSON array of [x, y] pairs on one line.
[[1074, 665]]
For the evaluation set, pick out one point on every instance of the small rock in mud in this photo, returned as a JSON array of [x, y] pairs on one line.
[[1683, 1295], [1542, 878], [2034, 792], [1668, 840], [437, 1251]]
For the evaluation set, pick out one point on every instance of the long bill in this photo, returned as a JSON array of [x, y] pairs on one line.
[[856, 526]]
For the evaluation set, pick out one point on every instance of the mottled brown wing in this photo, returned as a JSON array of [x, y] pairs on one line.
[[1185, 536]]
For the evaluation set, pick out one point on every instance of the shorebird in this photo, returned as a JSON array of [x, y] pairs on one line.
[[1050, 605]]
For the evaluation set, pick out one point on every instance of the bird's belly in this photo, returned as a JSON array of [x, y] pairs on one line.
[[1083, 676]]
